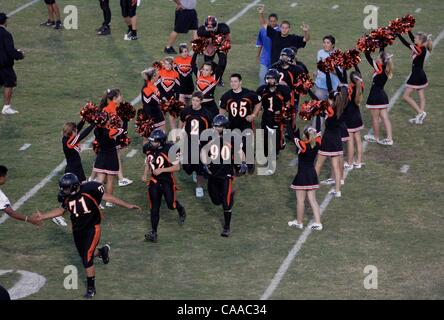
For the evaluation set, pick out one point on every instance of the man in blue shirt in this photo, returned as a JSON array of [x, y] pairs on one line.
[[263, 43]]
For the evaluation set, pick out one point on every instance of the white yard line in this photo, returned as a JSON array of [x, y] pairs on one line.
[[303, 237], [294, 4], [405, 168], [243, 11], [335, 7], [418, 10], [24, 147], [22, 7], [132, 153]]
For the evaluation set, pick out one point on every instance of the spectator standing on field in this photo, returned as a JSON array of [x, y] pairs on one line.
[[263, 43], [185, 20], [8, 54]]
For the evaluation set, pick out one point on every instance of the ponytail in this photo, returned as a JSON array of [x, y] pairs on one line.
[[109, 95], [388, 63], [340, 100]]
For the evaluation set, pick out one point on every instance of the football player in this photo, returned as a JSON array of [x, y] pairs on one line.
[[159, 176], [82, 201], [243, 106], [222, 157]]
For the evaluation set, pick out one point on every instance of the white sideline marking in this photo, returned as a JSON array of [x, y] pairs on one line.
[[24, 147], [243, 11], [303, 237], [335, 7], [418, 10], [22, 7], [405, 168], [132, 153], [29, 283], [294, 4]]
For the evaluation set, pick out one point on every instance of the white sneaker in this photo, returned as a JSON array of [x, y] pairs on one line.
[[125, 182], [421, 117], [101, 207], [328, 182], [294, 224], [109, 205], [9, 110], [348, 166], [315, 226], [194, 177], [342, 182], [199, 193], [357, 165], [385, 142], [125, 36], [60, 221], [335, 194], [370, 138]]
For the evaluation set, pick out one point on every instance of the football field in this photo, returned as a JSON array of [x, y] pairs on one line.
[[388, 218]]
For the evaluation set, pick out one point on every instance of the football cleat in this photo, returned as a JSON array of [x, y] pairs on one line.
[[151, 236], [60, 221], [225, 233], [90, 293], [104, 253], [182, 216]]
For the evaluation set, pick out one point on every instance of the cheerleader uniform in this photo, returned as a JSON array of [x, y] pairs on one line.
[[107, 161], [377, 98], [168, 84], [184, 68], [71, 149], [306, 178], [331, 145], [151, 108], [207, 85], [418, 78], [352, 114]]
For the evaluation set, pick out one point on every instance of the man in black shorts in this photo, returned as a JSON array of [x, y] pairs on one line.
[[185, 20], [53, 14], [8, 54], [129, 8]]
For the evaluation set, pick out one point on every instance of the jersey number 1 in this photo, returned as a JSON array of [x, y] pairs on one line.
[[73, 206]]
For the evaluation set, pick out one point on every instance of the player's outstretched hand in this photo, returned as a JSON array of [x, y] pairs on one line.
[[134, 207], [261, 9], [36, 218]]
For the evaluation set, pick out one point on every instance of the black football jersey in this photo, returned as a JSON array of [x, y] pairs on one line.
[[195, 121], [239, 106], [84, 206], [160, 158], [273, 102], [223, 154]]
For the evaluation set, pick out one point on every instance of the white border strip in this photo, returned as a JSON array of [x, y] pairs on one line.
[[22, 7]]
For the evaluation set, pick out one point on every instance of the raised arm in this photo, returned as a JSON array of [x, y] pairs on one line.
[[262, 21], [412, 37], [369, 58], [329, 85], [194, 63], [405, 42]]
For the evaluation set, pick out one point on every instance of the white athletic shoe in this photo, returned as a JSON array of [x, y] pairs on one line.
[[125, 182], [294, 224], [335, 194], [194, 177], [101, 207], [385, 142], [348, 166], [421, 117], [199, 193], [315, 226], [328, 182], [9, 110], [60, 221], [370, 138], [109, 205], [357, 165], [342, 182]]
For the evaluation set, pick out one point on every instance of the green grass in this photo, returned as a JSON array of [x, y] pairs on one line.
[[391, 220]]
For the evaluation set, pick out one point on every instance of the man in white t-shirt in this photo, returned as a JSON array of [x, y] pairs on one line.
[[5, 204]]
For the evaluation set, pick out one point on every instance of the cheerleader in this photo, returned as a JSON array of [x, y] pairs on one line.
[[182, 64], [207, 79], [418, 79], [110, 101], [378, 101], [106, 165], [306, 181], [353, 121], [72, 135], [150, 98], [331, 145], [168, 85]]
